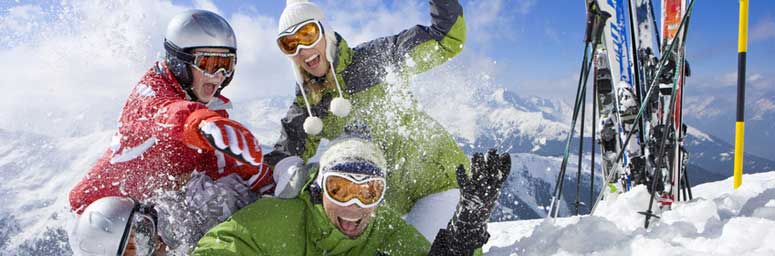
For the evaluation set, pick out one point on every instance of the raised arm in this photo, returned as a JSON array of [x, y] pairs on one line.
[[424, 46], [467, 230]]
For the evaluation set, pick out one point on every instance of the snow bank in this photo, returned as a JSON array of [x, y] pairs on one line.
[[718, 221]]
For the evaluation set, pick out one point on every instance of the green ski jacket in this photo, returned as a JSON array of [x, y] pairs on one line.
[[421, 155]]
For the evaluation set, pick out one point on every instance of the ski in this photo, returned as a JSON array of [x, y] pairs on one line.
[[668, 167], [618, 99], [672, 11]]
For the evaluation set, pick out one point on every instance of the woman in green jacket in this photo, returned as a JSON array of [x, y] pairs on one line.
[[337, 83], [338, 212]]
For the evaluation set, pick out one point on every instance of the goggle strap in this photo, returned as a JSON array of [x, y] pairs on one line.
[[127, 234], [295, 28], [179, 53]]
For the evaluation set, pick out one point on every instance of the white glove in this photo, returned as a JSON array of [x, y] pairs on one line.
[[289, 177]]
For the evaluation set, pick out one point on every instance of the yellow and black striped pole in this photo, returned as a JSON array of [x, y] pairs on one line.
[[742, 48]]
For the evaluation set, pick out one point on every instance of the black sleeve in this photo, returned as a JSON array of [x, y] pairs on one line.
[[370, 59], [292, 138]]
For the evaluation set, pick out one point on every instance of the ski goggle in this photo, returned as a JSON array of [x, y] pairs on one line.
[[210, 63], [346, 189], [304, 35], [144, 227]]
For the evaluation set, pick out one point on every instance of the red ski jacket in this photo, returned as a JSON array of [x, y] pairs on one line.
[[147, 154]]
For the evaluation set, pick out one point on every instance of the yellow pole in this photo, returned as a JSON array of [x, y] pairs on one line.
[[742, 48]]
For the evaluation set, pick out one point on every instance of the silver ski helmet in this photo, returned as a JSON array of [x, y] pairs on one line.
[[196, 29], [105, 226]]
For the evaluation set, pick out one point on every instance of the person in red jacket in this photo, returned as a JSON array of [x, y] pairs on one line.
[[175, 124]]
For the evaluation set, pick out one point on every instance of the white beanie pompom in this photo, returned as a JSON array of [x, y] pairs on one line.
[[313, 125], [340, 107]]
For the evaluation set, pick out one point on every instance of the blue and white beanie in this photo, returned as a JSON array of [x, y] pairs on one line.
[[353, 153]]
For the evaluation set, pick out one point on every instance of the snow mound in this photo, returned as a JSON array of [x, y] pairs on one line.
[[718, 221]]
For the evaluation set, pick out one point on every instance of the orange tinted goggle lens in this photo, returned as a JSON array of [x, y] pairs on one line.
[[212, 64], [343, 190], [306, 35]]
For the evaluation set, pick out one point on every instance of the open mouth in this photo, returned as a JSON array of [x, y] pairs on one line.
[[313, 61], [349, 226], [209, 89]]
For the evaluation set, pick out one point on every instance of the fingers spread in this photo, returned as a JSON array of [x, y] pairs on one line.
[[461, 176], [505, 166], [478, 166]]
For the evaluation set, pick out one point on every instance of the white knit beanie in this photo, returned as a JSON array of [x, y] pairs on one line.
[[353, 152], [297, 11]]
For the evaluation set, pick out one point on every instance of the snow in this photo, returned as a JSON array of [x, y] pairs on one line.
[[718, 221], [698, 134]]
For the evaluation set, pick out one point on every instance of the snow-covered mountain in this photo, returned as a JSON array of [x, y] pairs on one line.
[[534, 130], [713, 110], [528, 191], [507, 121]]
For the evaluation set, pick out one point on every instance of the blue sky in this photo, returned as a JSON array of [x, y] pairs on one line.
[[540, 41]]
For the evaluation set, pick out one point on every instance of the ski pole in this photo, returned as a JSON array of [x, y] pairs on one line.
[[581, 149], [742, 48], [594, 131], [583, 77]]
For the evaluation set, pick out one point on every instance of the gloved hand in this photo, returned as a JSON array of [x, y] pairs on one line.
[[467, 230], [185, 216], [290, 176], [208, 130]]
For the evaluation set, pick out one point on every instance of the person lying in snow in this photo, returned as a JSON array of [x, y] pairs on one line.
[[339, 211], [175, 132]]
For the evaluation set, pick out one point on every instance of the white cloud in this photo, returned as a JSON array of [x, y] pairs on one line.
[[763, 30], [18, 21], [728, 79], [207, 5], [525, 6], [261, 69], [361, 21]]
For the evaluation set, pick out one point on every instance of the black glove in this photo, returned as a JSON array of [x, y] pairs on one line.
[[467, 230]]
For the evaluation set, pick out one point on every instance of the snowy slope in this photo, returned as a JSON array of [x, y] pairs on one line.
[[37, 173], [719, 221]]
